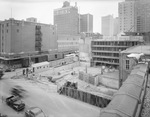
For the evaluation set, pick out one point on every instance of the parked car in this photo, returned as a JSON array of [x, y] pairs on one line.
[[9, 70], [34, 112], [10, 100], [15, 103], [18, 105]]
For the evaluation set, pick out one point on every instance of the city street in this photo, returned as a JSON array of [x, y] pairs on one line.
[[53, 104]]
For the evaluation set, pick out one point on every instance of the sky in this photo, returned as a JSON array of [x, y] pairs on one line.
[[43, 9]]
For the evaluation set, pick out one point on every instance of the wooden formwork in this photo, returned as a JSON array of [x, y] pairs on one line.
[[84, 96]]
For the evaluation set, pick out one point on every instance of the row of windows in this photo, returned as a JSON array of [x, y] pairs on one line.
[[107, 60], [127, 64], [62, 12], [115, 43], [108, 49], [7, 31], [68, 43], [106, 54]]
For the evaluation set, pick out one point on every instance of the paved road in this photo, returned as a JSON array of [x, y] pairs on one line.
[[53, 104]]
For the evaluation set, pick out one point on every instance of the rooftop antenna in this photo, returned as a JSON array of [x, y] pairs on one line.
[[75, 4], [11, 12]]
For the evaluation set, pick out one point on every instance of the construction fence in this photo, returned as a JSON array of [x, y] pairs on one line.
[[83, 96]]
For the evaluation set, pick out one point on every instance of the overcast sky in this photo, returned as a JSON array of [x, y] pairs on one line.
[[43, 9]]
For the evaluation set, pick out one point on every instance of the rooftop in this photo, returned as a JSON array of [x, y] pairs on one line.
[[120, 38], [24, 22], [138, 49]]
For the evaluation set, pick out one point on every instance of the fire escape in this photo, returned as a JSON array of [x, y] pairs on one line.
[[38, 38]]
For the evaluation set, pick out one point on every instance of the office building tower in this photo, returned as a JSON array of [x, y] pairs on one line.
[[86, 23], [127, 16], [107, 25], [143, 15], [67, 19], [116, 26]]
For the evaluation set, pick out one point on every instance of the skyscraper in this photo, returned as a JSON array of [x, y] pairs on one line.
[[86, 23], [67, 19], [127, 16], [134, 16], [107, 25], [143, 15], [116, 26]]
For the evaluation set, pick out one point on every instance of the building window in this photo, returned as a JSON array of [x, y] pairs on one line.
[[127, 64], [55, 55], [7, 31], [7, 24], [17, 30]]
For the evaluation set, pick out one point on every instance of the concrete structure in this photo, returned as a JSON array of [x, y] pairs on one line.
[[107, 25], [23, 37], [67, 19], [32, 19], [85, 49], [68, 43], [85, 45], [126, 64], [86, 23], [127, 14], [106, 51]]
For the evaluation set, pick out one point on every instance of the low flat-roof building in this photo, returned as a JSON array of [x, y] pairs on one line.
[[106, 51], [126, 64]]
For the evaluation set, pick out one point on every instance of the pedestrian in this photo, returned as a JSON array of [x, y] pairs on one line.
[[23, 71], [27, 70]]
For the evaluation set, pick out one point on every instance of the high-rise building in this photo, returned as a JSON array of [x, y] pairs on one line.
[[116, 26], [143, 15], [110, 25], [127, 16], [134, 16], [17, 36], [86, 23], [67, 19], [107, 25]]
